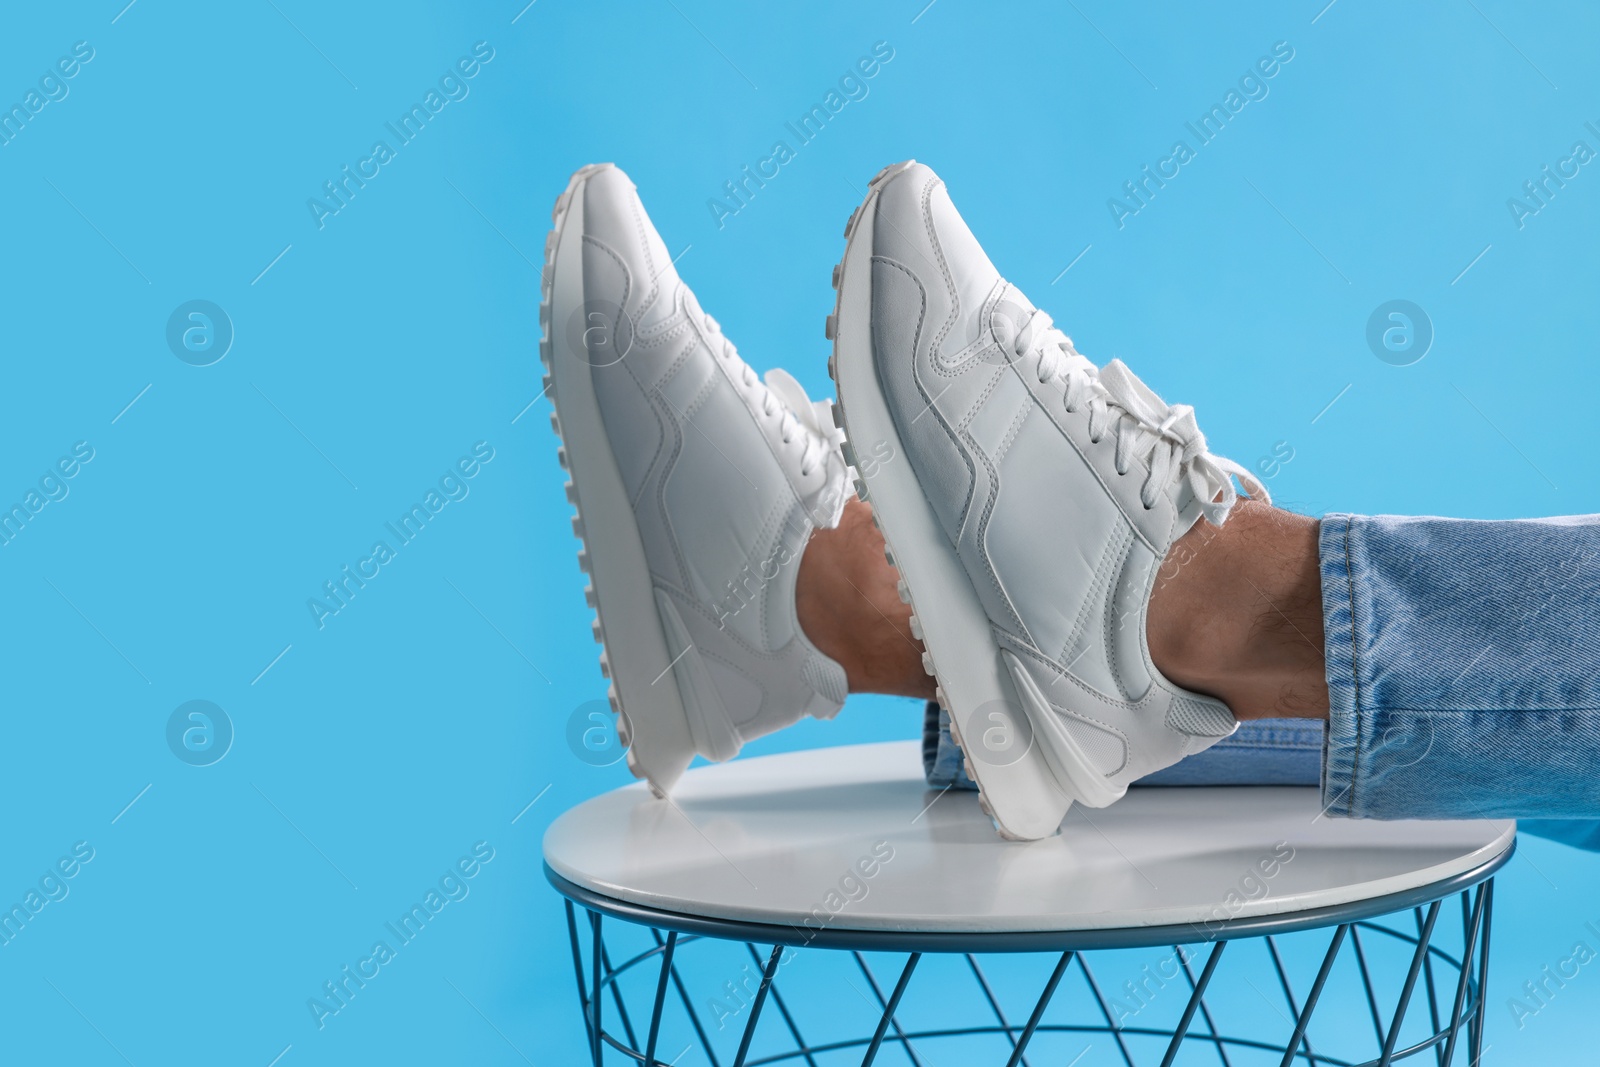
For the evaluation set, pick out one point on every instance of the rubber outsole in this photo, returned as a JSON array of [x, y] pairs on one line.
[[1023, 798], [659, 745]]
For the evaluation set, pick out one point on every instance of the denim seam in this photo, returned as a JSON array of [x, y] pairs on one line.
[[1355, 671], [1498, 709], [1342, 739]]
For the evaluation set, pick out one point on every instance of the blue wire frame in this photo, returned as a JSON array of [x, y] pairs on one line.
[[1455, 1013]]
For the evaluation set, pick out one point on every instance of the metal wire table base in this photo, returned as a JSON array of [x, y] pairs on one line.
[[1452, 987]]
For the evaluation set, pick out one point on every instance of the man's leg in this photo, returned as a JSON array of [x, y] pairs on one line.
[[1462, 673], [1463, 667], [846, 600], [1091, 584], [1236, 614]]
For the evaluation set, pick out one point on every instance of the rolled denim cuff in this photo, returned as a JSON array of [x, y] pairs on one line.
[[1341, 747], [1463, 667]]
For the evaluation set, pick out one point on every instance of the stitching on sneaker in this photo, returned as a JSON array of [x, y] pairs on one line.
[[677, 453], [662, 423], [961, 362], [988, 510], [978, 401], [1015, 426], [1118, 570], [627, 289], [1023, 649], [970, 449], [659, 334], [766, 694], [770, 531], [1095, 467], [651, 297], [1104, 571], [916, 380], [700, 398], [669, 457], [944, 271], [1074, 712]]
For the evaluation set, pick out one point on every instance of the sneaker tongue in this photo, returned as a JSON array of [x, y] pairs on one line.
[[1135, 397], [814, 416], [825, 501]]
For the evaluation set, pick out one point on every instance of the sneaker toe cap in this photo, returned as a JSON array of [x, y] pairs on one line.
[[629, 255], [919, 227]]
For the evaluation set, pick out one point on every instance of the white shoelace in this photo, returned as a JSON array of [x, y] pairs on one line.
[[800, 420], [1164, 435]]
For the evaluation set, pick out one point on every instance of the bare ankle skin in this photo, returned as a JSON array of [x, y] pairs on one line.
[[1237, 614], [846, 601]]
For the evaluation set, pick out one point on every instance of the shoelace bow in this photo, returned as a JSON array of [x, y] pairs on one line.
[[1164, 435], [800, 419]]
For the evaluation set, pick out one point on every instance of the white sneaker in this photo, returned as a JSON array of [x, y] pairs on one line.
[[1040, 497], [697, 487]]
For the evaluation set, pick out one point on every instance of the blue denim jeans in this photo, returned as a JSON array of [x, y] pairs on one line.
[[1463, 661], [1263, 752]]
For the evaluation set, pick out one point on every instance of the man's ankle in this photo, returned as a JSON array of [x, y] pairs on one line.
[[1237, 614], [847, 602]]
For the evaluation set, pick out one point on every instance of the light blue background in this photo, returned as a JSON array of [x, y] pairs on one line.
[[430, 712]]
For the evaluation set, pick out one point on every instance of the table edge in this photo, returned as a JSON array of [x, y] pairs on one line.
[[1028, 940]]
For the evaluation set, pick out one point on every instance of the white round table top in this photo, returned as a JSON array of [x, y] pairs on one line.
[[852, 839]]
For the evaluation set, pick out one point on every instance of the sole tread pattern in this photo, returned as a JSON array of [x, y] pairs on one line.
[[558, 219], [841, 419]]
